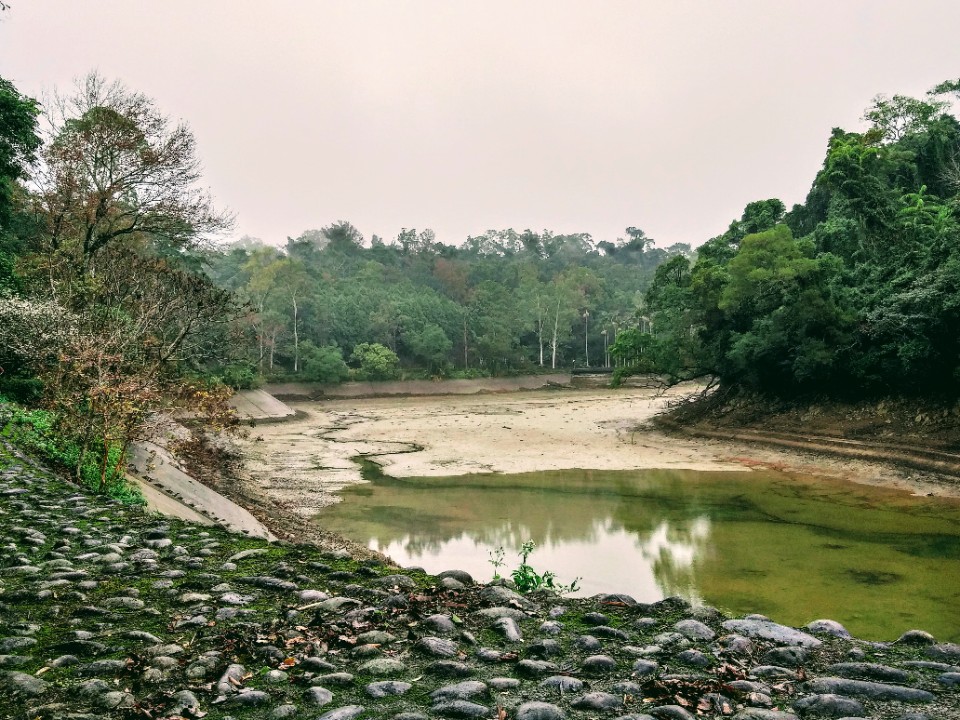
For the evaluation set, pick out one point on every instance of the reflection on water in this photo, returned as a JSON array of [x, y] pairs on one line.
[[796, 549]]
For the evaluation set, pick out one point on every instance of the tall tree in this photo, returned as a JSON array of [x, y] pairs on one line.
[[114, 168], [19, 142]]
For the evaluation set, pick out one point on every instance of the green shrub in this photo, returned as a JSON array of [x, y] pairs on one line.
[[34, 432]]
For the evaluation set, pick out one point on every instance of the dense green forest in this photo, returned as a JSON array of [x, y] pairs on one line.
[[116, 302], [504, 301], [855, 292]]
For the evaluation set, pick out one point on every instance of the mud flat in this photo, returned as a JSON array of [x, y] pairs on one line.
[[301, 464]]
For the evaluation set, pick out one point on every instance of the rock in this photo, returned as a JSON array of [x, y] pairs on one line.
[[250, 698], [694, 630], [671, 712], [503, 683], [403, 582], [768, 630], [231, 679], [544, 648], [551, 627], [460, 691], [501, 596], [828, 705], [773, 672], [318, 696], [762, 714], [870, 690], [347, 712], [595, 618], [534, 668], [386, 688], [438, 647], [694, 658], [15, 643], [509, 628], [588, 643], [383, 667], [829, 627], [450, 668], [244, 554], [458, 575], [440, 624], [599, 664], [945, 652], [597, 701], [642, 668], [786, 656], [562, 684], [916, 637], [605, 631], [950, 679], [376, 637], [538, 711], [460, 709], [340, 679], [501, 612], [869, 671]]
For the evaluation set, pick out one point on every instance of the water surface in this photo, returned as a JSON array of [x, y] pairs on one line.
[[794, 548]]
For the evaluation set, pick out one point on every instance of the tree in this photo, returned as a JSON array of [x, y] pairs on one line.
[[18, 142], [323, 364], [430, 345], [895, 118], [115, 168], [376, 361]]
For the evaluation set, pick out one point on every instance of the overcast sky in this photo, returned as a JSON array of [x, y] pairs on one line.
[[463, 116]]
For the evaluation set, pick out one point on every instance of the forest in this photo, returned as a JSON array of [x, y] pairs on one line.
[[121, 293]]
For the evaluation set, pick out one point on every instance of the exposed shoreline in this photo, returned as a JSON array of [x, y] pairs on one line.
[[302, 463]]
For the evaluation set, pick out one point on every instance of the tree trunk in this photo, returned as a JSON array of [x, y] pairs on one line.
[[296, 337], [553, 344]]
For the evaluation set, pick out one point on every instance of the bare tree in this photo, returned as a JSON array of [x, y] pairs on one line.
[[114, 167]]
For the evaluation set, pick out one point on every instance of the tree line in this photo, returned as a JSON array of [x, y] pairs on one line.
[[854, 292], [501, 302]]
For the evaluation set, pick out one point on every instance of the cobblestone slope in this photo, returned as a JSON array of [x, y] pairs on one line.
[[106, 611]]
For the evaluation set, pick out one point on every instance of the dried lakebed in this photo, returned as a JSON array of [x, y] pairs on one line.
[[106, 611]]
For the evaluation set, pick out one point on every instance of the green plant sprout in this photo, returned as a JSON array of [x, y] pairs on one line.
[[525, 577]]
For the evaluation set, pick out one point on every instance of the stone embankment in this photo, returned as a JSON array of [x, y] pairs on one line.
[[108, 611]]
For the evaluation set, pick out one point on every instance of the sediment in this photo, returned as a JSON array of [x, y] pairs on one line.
[[109, 611]]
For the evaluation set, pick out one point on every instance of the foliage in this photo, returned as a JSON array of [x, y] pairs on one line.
[[37, 432], [375, 361], [323, 364], [114, 167], [19, 142], [102, 303], [852, 293], [525, 577]]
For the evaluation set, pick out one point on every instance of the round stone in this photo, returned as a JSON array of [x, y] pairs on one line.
[[386, 688], [539, 711]]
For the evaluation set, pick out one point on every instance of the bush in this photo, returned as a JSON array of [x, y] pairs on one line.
[[377, 362], [240, 376], [33, 431], [323, 364]]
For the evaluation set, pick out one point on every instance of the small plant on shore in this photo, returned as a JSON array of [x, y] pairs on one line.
[[525, 577]]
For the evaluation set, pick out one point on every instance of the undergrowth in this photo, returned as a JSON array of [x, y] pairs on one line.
[[34, 432]]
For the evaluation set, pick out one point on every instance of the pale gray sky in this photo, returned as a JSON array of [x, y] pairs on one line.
[[667, 115]]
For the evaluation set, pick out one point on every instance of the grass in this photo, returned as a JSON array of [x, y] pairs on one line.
[[33, 431]]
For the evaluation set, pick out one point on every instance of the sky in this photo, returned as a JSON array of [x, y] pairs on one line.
[[667, 115]]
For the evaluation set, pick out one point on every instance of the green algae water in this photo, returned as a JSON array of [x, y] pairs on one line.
[[793, 548]]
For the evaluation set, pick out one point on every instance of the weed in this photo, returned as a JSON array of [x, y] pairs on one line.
[[525, 577]]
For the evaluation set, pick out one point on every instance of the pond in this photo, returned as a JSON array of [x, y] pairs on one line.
[[793, 548]]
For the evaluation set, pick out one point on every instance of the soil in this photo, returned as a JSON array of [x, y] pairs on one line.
[[295, 468]]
